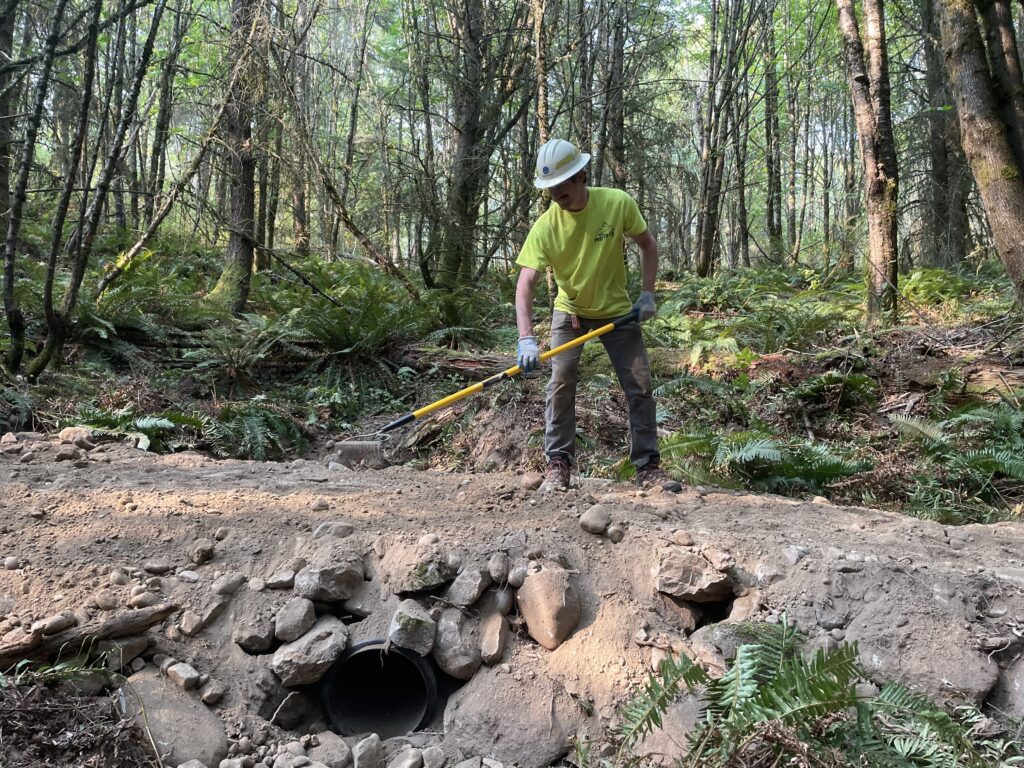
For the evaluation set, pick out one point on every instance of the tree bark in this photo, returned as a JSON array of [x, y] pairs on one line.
[[867, 71], [232, 289], [14, 315], [987, 139]]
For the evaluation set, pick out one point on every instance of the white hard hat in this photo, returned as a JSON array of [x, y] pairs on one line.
[[557, 161]]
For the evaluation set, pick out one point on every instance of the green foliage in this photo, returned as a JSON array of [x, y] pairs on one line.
[[837, 389], [253, 429], [28, 672], [775, 706], [754, 459], [159, 433], [16, 408], [931, 286], [970, 463]]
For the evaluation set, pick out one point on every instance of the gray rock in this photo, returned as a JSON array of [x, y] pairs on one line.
[[334, 582], [473, 762], [365, 599], [596, 519], [498, 567], [183, 675], [58, 623], [551, 606], [496, 601], [494, 636], [105, 600], [332, 751], [456, 654], [407, 758], [616, 533], [191, 623], [305, 660], [118, 577], [254, 634], [67, 453], [212, 692], [12, 563], [411, 627], [228, 583], [794, 554], [467, 587], [336, 529], [157, 565], [368, 753], [681, 614], [182, 727], [295, 617], [690, 576], [202, 551], [1008, 694], [535, 732], [281, 579], [429, 572], [517, 575], [144, 600], [434, 757], [197, 764]]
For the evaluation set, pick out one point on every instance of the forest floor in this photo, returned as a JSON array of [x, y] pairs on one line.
[[936, 607]]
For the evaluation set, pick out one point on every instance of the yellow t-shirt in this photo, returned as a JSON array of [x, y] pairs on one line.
[[585, 251]]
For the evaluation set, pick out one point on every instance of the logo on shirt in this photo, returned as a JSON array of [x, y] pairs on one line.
[[606, 231]]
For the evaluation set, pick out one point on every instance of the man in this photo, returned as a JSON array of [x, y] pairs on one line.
[[581, 238]]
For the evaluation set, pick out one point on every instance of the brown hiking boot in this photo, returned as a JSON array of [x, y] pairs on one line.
[[557, 477], [651, 475]]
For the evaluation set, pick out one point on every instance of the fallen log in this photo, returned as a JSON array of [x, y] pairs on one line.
[[73, 641]]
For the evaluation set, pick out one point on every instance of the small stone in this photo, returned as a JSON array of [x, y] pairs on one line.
[[321, 505], [331, 751], [494, 636], [304, 661], [689, 576], [118, 577], [616, 533], [407, 758], [67, 453], [294, 618], [58, 623], [428, 539], [467, 587], [434, 757], [281, 579], [596, 519], [183, 675], [682, 538], [368, 753], [191, 623], [412, 628], [228, 583], [794, 554], [334, 582], [144, 600], [189, 577], [254, 635], [531, 481], [11, 563], [256, 584], [158, 566], [201, 551], [336, 529], [517, 575], [456, 655], [498, 567], [105, 600]]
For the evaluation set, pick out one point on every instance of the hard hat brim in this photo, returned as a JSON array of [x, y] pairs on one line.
[[553, 181]]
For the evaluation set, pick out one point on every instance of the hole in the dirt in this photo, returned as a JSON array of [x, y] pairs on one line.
[[714, 612], [369, 690]]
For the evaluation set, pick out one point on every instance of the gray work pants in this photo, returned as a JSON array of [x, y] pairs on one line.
[[625, 348]]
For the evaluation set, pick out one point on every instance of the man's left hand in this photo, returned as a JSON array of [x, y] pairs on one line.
[[645, 307]]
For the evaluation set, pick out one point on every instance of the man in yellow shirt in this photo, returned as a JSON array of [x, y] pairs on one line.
[[582, 239]]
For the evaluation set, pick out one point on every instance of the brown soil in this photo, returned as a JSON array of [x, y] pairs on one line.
[[936, 607]]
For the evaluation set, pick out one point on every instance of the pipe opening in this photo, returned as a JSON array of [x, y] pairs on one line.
[[369, 690]]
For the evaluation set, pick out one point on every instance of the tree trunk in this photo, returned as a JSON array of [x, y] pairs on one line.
[[772, 149], [15, 318], [987, 138], [232, 288], [867, 71]]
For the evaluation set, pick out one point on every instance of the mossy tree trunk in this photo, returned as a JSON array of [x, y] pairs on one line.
[[986, 86]]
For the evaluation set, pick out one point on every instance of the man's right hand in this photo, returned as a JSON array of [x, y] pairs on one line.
[[528, 355]]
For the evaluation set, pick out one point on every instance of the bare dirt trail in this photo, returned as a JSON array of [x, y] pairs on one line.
[[936, 607]]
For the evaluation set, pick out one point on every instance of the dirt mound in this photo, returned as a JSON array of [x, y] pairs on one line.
[[97, 532]]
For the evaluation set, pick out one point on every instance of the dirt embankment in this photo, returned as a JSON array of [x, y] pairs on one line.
[[938, 608]]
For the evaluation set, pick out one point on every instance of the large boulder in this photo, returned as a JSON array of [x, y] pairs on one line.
[[456, 648], [551, 606], [332, 582], [689, 576], [331, 750], [305, 660], [412, 628], [182, 727], [531, 732]]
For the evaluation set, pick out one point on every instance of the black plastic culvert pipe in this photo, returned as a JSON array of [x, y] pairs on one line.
[[369, 690]]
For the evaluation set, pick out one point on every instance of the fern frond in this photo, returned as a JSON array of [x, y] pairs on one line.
[[928, 432], [642, 713]]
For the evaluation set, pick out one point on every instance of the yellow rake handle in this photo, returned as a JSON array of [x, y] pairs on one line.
[[508, 373]]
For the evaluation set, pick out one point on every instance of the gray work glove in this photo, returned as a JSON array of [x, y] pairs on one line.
[[645, 306], [528, 355]]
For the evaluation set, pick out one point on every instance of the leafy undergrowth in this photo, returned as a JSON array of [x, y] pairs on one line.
[[766, 380], [777, 706]]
